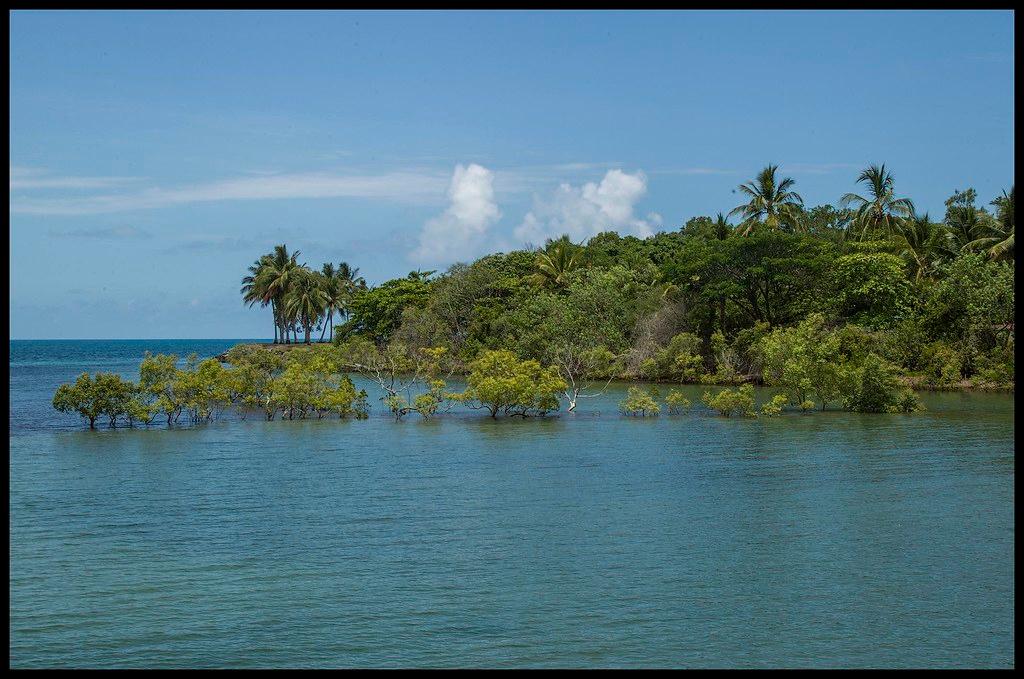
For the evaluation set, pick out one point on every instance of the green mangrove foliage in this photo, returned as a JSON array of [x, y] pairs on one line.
[[499, 382], [299, 386], [677, 403], [729, 402], [774, 406], [639, 403]]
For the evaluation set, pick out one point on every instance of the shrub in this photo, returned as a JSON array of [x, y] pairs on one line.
[[499, 382], [774, 406], [639, 403], [875, 389], [105, 394], [730, 402], [908, 402], [677, 403]]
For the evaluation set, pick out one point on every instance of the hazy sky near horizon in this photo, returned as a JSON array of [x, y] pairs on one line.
[[155, 155]]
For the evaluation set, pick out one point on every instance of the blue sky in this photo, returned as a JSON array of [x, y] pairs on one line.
[[155, 155]]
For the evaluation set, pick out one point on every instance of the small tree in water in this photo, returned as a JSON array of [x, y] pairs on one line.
[[499, 382], [639, 403]]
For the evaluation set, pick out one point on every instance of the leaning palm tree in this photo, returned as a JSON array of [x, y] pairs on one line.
[[254, 289], [922, 244], [306, 299], [881, 212], [771, 203], [998, 243], [554, 263]]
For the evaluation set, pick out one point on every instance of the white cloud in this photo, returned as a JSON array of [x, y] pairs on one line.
[[588, 210], [460, 231], [417, 187], [34, 178]]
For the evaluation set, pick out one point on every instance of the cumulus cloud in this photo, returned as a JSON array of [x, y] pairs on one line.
[[582, 212], [460, 231]]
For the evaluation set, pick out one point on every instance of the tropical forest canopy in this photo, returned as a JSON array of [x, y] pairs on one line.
[[932, 296]]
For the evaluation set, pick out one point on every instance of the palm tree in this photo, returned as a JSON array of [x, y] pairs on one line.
[[999, 241], [554, 263], [771, 202], [721, 229], [882, 211], [277, 278], [306, 299], [336, 295], [254, 289], [967, 223], [922, 242]]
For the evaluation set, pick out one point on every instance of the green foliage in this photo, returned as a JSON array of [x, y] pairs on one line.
[[202, 388], [774, 405], [804, 360], [871, 288], [500, 382], [105, 394], [377, 312], [943, 363], [680, 360], [995, 368], [877, 390], [82, 397], [726, 361], [769, 276], [972, 304], [677, 403], [639, 403], [729, 402]]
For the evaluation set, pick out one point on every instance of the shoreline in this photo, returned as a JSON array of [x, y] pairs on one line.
[[915, 382]]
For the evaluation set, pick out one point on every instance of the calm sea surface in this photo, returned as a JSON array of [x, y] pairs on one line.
[[592, 539]]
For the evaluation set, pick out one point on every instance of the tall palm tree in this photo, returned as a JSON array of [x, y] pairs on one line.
[[336, 295], [254, 289], [771, 202], [922, 242], [277, 277], [556, 261], [306, 299], [998, 243], [881, 211], [351, 283]]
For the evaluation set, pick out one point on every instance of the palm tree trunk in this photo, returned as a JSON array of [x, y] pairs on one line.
[[324, 330], [273, 310]]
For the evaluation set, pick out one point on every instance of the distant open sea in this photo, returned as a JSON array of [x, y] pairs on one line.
[[583, 540]]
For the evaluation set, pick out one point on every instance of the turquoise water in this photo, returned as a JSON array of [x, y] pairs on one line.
[[589, 540]]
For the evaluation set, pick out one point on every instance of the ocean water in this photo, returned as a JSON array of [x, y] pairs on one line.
[[584, 540]]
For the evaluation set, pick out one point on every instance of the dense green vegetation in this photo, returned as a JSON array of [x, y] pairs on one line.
[[932, 298], [830, 306]]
